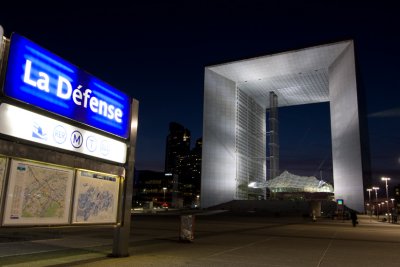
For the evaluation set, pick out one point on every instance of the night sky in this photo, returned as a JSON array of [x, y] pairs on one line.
[[156, 51]]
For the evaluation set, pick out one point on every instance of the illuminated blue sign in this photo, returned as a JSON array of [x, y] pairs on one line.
[[40, 78]]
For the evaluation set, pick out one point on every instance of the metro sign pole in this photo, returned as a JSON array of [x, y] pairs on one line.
[[122, 232]]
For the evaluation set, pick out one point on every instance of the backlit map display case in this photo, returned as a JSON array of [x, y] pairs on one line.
[[38, 194], [96, 197], [3, 164]]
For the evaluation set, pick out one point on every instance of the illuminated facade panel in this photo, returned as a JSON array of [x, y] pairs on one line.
[[250, 147], [218, 173], [345, 131]]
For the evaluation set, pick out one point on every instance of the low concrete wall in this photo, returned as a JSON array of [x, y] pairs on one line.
[[279, 207]]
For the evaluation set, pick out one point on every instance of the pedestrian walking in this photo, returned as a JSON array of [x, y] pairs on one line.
[[353, 216]]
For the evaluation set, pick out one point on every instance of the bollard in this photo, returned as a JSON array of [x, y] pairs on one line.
[[186, 228]]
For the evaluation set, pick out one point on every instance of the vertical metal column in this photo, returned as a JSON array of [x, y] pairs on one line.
[[273, 136], [122, 232]]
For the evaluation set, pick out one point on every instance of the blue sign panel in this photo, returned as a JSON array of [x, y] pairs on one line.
[[40, 78]]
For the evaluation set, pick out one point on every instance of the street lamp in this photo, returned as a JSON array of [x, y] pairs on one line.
[[387, 213], [394, 212], [369, 194], [164, 189], [386, 179], [369, 199], [379, 210], [376, 192]]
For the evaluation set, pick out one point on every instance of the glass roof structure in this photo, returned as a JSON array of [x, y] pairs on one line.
[[287, 182]]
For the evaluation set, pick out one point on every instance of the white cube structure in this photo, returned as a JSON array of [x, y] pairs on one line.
[[236, 96]]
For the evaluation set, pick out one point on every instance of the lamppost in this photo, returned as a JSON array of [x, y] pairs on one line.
[[379, 210], [369, 194], [383, 205], [164, 189], [387, 206], [369, 199], [376, 192], [386, 179], [394, 212]]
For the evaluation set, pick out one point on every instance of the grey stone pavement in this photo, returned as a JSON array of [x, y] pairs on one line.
[[219, 240]]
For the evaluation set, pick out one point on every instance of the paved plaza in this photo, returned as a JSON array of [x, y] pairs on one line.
[[219, 240]]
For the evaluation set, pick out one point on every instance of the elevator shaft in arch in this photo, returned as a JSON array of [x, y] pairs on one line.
[[273, 137]]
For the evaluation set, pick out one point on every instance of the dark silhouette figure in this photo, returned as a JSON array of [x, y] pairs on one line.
[[353, 216]]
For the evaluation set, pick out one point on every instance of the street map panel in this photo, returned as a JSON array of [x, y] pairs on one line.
[[3, 165], [96, 197], [38, 194]]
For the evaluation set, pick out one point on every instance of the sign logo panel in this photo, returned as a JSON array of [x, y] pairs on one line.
[[41, 78], [37, 128]]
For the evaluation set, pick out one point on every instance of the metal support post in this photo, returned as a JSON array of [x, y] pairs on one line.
[[122, 231]]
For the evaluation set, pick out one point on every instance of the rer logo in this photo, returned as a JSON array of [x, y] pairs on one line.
[[76, 139], [59, 134]]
